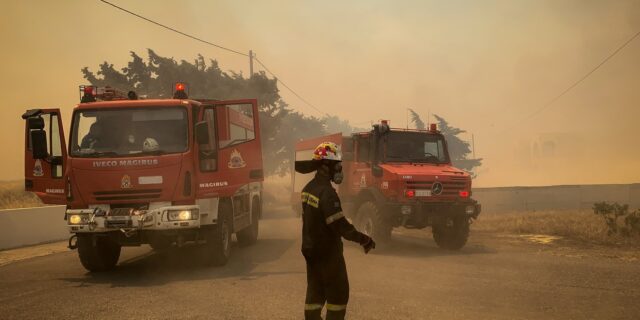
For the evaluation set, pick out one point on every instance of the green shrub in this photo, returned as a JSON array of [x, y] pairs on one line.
[[612, 213]]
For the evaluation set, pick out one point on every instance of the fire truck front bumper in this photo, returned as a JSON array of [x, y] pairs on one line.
[[129, 220], [422, 214], [471, 208]]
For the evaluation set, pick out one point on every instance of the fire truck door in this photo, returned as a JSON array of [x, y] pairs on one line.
[[360, 171], [45, 156], [238, 153]]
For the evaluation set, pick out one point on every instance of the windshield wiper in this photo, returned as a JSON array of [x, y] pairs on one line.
[[430, 159], [153, 153], [100, 154]]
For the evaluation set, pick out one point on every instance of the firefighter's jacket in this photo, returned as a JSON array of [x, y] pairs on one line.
[[323, 223]]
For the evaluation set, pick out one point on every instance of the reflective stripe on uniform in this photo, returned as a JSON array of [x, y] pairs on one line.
[[312, 306], [334, 217], [310, 199], [336, 307]]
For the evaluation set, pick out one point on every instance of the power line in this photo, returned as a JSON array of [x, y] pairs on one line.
[[173, 29], [286, 86], [217, 46], [576, 83]]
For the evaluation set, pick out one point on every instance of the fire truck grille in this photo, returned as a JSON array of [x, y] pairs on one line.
[[120, 212], [449, 188], [118, 224], [140, 194]]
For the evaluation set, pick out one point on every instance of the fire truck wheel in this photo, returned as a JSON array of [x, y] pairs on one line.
[[370, 221], [160, 243], [453, 234], [249, 235], [100, 256], [218, 247]]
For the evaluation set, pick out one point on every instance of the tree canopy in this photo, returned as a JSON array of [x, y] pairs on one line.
[[459, 150], [415, 119]]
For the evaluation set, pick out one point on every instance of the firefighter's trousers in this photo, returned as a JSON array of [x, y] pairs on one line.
[[327, 281]]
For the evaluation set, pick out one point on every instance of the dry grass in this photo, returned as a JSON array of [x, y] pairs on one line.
[[583, 226], [12, 195]]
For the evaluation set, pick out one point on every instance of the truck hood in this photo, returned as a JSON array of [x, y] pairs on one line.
[[126, 180], [423, 169]]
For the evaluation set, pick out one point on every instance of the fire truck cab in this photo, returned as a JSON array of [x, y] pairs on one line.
[[399, 178], [163, 172]]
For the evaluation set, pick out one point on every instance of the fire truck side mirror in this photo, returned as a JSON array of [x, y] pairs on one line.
[[202, 132], [39, 144], [376, 171]]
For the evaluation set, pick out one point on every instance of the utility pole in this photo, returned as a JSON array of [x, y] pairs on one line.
[[407, 118], [473, 145], [250, 64]]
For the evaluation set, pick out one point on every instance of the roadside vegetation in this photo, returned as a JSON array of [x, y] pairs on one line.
[[12, 195], [588, 226]]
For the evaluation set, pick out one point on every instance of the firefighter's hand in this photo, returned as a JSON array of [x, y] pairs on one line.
[[368, 244]]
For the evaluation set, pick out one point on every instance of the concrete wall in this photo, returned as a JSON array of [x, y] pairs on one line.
[[555, 197], [23, 227]]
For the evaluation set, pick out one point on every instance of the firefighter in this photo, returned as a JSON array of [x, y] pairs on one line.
[[323, 226]]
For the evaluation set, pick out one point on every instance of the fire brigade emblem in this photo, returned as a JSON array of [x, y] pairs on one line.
[[37, 169], [363, 181], [125, 183], [236, 160]]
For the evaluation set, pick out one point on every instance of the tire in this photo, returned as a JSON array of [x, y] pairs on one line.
[[249, 235], [217, 248], [103, 256], [371, 221], [452, 235], [160, 243]]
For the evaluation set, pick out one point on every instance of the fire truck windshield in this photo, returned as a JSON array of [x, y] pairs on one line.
[[129, 132], [415, 147]]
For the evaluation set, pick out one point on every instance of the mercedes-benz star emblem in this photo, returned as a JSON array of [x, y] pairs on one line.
[[436, 189]]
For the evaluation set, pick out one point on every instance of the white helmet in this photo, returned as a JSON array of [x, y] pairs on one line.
[[150, 144]]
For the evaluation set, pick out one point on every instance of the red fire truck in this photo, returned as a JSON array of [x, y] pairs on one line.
[[399, 178], [163, 172]]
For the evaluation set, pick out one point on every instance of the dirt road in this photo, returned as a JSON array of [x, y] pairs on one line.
[[494, 277]]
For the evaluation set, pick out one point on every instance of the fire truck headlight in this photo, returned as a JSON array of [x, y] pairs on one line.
[[76, 219], [181, 215]]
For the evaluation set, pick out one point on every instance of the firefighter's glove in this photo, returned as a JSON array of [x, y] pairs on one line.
[[367, 244]]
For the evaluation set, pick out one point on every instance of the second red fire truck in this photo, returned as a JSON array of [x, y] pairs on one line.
[[399, 178]]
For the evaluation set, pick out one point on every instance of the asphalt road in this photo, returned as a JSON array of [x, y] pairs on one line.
[[493, 277]]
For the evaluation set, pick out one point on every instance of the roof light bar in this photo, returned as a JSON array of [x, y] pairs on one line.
[[180, 91]]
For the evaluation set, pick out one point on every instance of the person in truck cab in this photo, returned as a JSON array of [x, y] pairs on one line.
[[93, 137], [323, 226]]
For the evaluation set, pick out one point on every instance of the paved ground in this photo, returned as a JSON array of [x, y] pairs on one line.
[[494, 277]]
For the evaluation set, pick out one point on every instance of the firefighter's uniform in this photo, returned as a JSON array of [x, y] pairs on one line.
[[323, 226]]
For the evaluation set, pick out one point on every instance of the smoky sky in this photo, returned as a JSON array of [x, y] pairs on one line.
[[483, 65]]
